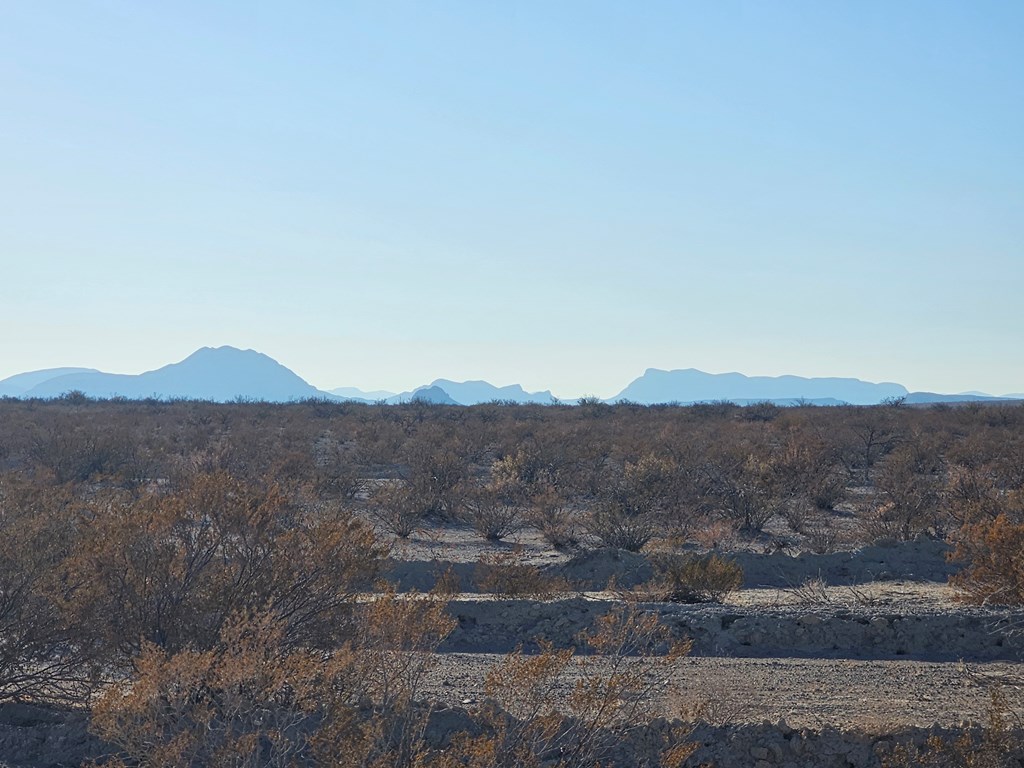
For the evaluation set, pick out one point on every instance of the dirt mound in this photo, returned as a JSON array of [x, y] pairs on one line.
[[922, 560], [594, 569]]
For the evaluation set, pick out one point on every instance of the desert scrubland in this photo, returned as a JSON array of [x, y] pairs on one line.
[[189, 583]]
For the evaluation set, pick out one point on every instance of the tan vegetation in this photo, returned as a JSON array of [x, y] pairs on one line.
[[505, 575], [206, 578], [526, 725]]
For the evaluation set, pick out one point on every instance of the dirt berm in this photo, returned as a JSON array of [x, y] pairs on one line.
[[975, 634]]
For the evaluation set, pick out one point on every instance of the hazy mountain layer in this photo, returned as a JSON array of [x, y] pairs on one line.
[[474, 392], [354, 393], [916, 398], [226, 373], [19, 384]]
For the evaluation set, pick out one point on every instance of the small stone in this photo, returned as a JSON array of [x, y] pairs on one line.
[[759, 753]]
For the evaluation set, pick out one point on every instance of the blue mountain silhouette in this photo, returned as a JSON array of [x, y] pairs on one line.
[[221, 374], [474, 392], [227, 373], [693, 386]]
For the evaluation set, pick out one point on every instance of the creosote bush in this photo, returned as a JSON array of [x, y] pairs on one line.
[[254, 699], [494, 510], [505, 575], [40, 656], [528, 721], [620, 528], [168, 568], [691, 578], [996, 745], [994, 568], [394, 507], [550, 514]]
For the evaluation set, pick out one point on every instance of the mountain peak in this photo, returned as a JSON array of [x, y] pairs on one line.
[[210, 373], [224, 352]]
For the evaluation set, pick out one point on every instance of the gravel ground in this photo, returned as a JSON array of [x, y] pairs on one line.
[[877, 696]]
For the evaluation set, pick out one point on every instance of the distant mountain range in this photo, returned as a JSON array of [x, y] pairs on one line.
[[220, 374], [476, 392], [225, 373]]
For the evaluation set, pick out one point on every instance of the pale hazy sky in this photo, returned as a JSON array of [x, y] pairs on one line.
[[559, 194]]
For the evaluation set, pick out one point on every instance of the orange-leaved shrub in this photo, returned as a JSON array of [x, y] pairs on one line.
[[255, 699], [691, 578], [169, 568], [40, 653], [991, 550], [506, 575]]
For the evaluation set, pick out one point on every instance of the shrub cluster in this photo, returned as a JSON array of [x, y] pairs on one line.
[[620, 474]]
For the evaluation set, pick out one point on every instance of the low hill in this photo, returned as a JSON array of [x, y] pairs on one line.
[[432, 394], [19, 384], [354, 393]]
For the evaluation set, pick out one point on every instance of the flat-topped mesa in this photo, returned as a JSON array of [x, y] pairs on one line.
[[693, 386]]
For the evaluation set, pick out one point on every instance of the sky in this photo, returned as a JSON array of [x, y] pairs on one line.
[[556, 194]]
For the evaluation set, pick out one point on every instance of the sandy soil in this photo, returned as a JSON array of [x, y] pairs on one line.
[[903, 595]]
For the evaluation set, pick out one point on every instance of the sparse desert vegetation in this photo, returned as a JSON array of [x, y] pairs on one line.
[[190, 583]]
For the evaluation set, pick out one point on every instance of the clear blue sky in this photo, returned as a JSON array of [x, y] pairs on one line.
[[559, 194]]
